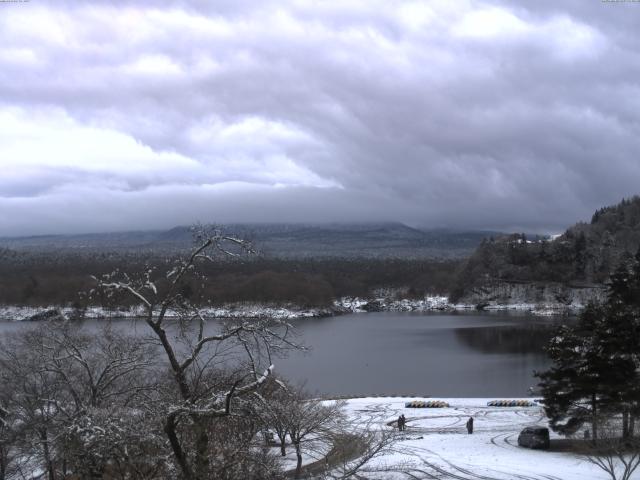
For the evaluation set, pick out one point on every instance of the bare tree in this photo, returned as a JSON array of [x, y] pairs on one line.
[[118, 442], [312, 422], [342, 447], [54, 376], [355, 448], [31, 395], [8, 440], [238, 451], [619, 457], [97, 367], [174, 316], [277, 403]]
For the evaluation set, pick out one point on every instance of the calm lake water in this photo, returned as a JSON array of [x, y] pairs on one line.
[[452, 355], [445, 355]]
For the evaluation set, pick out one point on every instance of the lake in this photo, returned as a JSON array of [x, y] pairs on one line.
[[391, 353], [446, 355]]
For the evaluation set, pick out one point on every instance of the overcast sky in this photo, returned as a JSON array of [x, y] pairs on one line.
[[465, 114]]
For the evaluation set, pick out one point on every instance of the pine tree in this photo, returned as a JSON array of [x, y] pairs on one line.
[[620, 337], [578, 387], [596, 363], [580, 261]]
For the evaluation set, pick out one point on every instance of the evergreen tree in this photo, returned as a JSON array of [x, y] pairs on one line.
[[620, 337], [580, 261], [577, 387], [596, 363]]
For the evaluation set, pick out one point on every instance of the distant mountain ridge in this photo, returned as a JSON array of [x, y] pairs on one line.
[[374, 240]]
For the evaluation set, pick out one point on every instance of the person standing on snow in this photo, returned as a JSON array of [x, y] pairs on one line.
[[470, 425], [401, 423]]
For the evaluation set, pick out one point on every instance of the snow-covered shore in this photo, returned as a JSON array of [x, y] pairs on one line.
[[436, 444], [291, 312], [18, 313], [441, 303]]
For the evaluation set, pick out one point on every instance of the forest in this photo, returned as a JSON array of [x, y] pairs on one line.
[[41, 279]]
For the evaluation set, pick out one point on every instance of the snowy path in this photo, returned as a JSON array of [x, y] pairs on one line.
[[437, 446]]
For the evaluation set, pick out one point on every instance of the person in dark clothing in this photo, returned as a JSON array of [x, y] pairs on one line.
[[400, 423], [404, 422], [470, 425]]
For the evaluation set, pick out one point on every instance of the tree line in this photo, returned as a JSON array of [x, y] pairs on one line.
[[39, 279]]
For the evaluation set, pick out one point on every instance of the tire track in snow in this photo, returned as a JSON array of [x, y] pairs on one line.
[[461, 473], [468, 475], [436, 466], [506, 440], [494, 440]]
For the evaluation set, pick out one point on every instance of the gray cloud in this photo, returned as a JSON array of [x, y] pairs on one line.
[[478, 114]]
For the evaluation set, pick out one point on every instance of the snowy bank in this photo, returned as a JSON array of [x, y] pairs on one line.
[[291, 312], [442, 304], [436, 444], [248, 311]]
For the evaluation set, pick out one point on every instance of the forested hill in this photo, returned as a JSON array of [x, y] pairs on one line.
[[277, 240], [586, 254]]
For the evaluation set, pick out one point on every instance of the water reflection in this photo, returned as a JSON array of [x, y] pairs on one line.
[[476, 354], [521, 339]]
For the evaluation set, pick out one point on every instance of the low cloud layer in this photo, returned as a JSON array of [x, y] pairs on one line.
[[469, 114]]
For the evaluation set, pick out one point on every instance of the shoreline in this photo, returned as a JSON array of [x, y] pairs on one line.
[[341, 306], [442, 304]]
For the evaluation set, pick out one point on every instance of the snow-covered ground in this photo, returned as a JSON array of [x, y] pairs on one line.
[[290, 312], [436, 443], [441, 303], [19, 313], [425, 304], [312, 451]]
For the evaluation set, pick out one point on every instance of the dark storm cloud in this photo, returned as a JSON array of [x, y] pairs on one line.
[[467, 114]]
